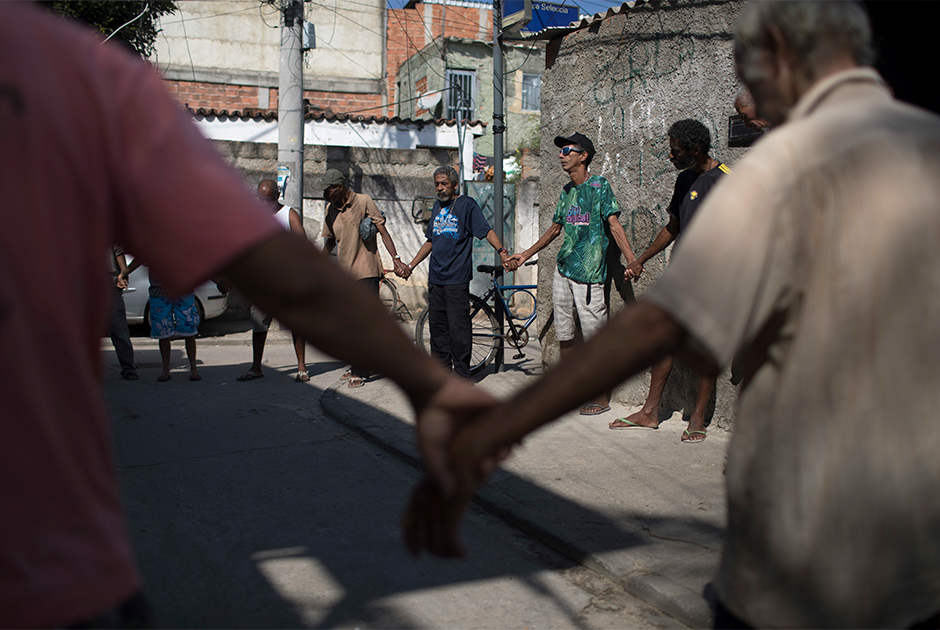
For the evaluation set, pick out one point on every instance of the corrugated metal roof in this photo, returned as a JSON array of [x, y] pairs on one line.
[[254, 113]]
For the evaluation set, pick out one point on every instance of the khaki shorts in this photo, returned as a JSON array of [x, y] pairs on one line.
[[588, 299]]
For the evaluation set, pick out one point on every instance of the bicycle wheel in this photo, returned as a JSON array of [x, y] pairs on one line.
[[388, 293], [483, 329]]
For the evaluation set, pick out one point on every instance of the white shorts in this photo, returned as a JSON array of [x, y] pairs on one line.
[[588, 299]]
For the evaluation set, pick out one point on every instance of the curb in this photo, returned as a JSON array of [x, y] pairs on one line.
[[239, 339], [677, 601]]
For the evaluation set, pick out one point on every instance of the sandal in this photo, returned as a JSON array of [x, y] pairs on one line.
[[302, 377], [250, 375], [688, 439], [346, 375], [356, 381], [594, 409], [628, 424]]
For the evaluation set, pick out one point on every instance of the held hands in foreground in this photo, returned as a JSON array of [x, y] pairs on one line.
[[432, 518], [456, 403]]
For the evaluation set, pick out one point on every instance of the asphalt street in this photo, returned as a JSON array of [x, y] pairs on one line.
[[249, 507]]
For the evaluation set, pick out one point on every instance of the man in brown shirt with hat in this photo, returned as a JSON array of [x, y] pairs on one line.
[[343, 229]]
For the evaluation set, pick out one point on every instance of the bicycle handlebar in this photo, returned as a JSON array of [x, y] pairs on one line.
[[492, 269]]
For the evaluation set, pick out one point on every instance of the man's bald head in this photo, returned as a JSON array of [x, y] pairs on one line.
[[267, 190]]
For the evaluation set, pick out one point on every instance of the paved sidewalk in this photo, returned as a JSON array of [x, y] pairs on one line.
[[637, 505]]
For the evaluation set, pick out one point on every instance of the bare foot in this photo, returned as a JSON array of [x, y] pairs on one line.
[[640, 419], [163, 378]]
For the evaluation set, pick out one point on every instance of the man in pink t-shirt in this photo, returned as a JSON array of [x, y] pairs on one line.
[[96, 152]]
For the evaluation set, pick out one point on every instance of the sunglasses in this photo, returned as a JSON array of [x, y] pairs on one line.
[[567, 150]]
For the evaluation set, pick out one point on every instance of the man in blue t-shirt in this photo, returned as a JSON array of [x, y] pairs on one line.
[[455, 220]]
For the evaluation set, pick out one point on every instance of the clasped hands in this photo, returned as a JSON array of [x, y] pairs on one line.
[[458, 459], [402, 270], [633, 271]]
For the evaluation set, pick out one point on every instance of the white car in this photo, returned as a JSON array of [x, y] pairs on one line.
[[209, 299]]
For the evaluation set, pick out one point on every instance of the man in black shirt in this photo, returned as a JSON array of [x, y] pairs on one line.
[[689, 143]]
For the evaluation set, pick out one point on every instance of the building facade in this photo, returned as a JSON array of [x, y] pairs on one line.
[[225, 55]]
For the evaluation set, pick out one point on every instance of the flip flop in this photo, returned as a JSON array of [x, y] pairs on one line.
[[596, 409], [249, 376], [302, 377], [163, 378], [688, 439], [346, 375], [195, 377], [630, 423], [356, 381]]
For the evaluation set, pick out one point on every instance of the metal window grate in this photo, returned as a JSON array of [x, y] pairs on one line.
[[460, 84]]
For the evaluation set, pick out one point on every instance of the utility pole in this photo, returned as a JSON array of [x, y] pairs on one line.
[[499, 128], [290, 106]]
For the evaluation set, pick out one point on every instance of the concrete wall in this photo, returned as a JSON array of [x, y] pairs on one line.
[[225, 54], [622, 82]]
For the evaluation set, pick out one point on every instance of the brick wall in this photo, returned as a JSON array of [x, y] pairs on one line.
[[409, 32], [232, 97], [213, 95]]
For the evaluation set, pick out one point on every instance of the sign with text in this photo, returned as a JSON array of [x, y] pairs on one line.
[[548, 15], [516, 14]]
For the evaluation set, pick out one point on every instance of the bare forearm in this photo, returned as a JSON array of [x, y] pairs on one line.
[[389, 243], [131, 268], [328, 308], [493, 240], [620, 237], [632, 341], [421, 255], [297, 224], [550, 235], [659, 243]]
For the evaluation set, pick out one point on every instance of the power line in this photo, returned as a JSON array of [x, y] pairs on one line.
[[186, 39], [204, 17]]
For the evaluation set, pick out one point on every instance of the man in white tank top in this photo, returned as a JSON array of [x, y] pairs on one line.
[[261, 321]]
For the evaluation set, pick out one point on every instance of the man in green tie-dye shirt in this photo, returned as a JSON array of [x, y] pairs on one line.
[[586, 211]]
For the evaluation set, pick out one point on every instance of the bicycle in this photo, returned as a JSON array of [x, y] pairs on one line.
[[388, 293], [485, 331]]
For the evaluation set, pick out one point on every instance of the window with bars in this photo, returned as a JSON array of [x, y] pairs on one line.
[[461, 86], [531, 92]]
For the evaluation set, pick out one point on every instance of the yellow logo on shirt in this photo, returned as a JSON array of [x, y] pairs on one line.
[[693, 194]]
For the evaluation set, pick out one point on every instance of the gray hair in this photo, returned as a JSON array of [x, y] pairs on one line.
[[448, 171], [817, 30]]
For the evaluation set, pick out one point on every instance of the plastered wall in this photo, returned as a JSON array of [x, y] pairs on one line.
[[623, 82]]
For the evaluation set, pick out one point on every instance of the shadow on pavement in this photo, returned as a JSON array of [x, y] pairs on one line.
[[248, 509]]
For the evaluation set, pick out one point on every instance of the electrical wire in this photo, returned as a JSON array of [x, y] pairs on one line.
[[186, 39], [205, 17], [146, 8]]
